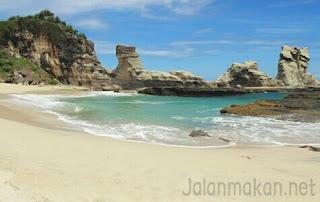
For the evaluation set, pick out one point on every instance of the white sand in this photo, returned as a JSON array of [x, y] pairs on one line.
[[38, 163]]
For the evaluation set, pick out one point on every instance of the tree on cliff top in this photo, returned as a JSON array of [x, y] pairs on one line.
[[35, 22]]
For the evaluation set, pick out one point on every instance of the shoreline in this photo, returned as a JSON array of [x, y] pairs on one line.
[[52, 120], [40, 163]]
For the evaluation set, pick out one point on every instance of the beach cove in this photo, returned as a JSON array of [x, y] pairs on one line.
[[43, 162]]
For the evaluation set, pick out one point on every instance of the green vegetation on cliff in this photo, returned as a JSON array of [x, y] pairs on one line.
[[17, 70], [43, 21]]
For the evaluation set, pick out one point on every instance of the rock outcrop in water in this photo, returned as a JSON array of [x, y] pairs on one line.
[[199, 133], [245, 75], [293, 65], [303, 106]]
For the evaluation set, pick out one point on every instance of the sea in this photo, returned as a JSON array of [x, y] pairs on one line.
[[170, 120]]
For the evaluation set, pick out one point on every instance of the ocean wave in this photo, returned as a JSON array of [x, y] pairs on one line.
[[109, 94], [239, 130], [257, 130]]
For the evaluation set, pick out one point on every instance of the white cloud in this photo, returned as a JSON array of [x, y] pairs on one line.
[[265, 42], [148, 14], [288, 3], [181, 7], [105, 47], [168, 53], [203, 31], [187, 7], [185, 43], [226, 42], [92, 24], [183, 49], [250, 21], [211, 52], [281, 30], [155, 52]]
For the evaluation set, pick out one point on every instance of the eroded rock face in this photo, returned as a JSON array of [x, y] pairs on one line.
[[130, 74], [293, 65], [189, 79], [129, 63], [246, 75], [159, 79], [72, 60]]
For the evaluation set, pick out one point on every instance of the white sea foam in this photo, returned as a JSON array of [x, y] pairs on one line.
[[240, 130], [258, 130]]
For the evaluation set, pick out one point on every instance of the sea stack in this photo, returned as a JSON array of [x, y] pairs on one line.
[[130, 73], [246, 75], [292, 67], [129, 63]]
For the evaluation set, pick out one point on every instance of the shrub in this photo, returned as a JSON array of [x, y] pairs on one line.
[[82, 35], [45, 14], [69, 28], [45, 20], [17, 17]]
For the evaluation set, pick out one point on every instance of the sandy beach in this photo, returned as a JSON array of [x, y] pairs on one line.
[[43, 162]]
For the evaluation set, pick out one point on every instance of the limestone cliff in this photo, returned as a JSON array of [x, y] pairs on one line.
[[20, 71], [56, 48]]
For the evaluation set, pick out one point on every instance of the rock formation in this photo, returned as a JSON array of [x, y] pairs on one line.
[[189, 79], [129, 65], [129, 73], [49, 43], [246, 75], [199, 133], [305, 106], [73, 62], [68, 57], [311, 148], [293, 65], [20, 71], [159, 79]]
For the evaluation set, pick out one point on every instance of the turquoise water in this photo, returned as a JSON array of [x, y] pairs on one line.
[[166, 111], [169, 120]]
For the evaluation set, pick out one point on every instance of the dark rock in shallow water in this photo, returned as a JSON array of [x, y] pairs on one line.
[[223, 139], [311, 148], [193, 92], [303, 106], [199, 133]]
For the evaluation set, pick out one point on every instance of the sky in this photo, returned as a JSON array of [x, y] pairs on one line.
[[201, 36]]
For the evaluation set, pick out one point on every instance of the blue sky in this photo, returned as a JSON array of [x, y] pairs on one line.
[[201, 36]]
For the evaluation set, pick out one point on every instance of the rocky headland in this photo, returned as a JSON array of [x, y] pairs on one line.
[[69, 58], [55, 47]]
